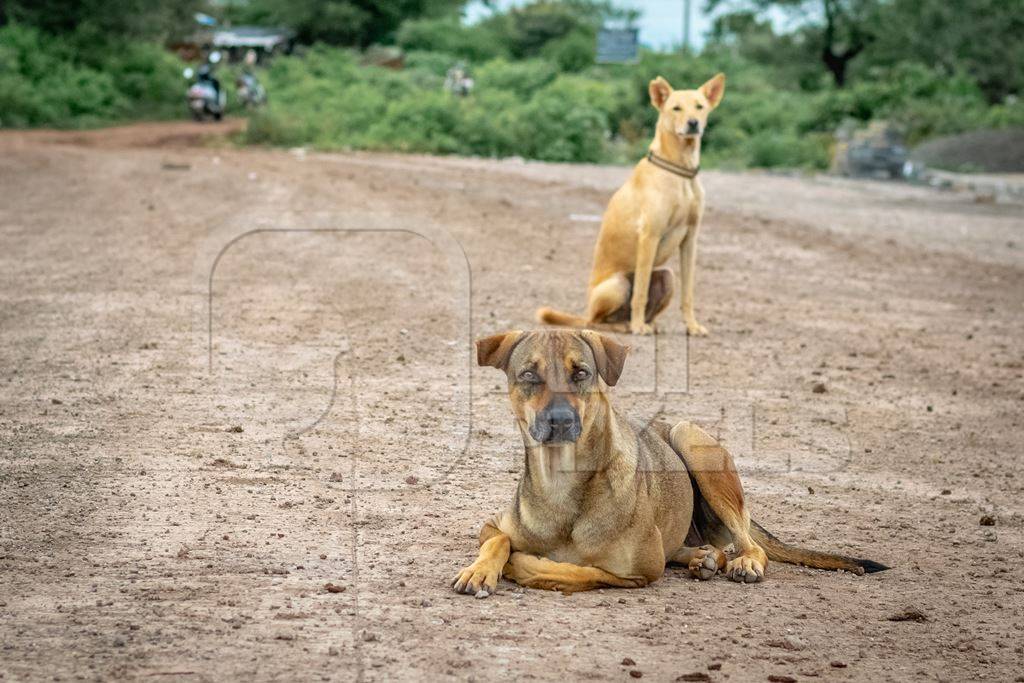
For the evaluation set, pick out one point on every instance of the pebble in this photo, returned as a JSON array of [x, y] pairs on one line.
[[909, 614]]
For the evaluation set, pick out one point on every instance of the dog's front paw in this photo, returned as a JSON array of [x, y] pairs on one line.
[[695, 329], [479, 579], [642, 329], [745, 569]]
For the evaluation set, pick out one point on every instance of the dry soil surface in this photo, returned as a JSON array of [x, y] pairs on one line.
[[231, 377]]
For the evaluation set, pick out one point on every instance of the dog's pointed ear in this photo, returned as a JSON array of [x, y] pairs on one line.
[[659, 90], [609, 355], [714, 89], [495, 351]]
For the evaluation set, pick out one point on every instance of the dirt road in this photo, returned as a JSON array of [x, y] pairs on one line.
[[231, 377]]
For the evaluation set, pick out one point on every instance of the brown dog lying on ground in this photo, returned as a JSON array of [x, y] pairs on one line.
[[654, 215], [607, 502]]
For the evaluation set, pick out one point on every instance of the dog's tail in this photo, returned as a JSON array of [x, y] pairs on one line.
[[783, 552], [550, 316]]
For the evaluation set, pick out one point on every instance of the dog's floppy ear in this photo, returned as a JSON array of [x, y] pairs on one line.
[[495, 351], [609, 355], [659, 90], [714, 89]]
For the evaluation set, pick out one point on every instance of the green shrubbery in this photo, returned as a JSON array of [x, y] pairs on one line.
[[538, 92], [528, 108], [533, 108], [76, 81], [518, 108]]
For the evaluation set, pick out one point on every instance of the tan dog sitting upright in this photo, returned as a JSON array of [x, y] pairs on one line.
[[606, 502], [654, 215]]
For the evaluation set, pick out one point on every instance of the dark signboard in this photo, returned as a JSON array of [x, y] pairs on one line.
[[617, 45]]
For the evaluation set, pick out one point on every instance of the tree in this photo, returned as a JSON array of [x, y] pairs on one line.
[[114, 18], [528, 29], [979, 37], [839, 28], [338, 22]]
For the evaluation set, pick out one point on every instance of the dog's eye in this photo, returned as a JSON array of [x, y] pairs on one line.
[[677, 108], [580, 375], [699, 106], [529, 376]]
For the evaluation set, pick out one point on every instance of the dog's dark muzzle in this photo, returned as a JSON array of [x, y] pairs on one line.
[[558, 422]]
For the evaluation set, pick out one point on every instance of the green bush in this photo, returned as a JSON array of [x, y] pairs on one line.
[[519, 78], [436, 63], [489, 124], [524, 108], [559, 106], [573, 52], [787, 149], [55, 81], [424, 122], [450, 36], [922, 100], [566, 121], [1006, 115]]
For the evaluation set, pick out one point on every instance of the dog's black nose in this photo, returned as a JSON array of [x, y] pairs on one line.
[[558, 422], [563, 424], [693, 126], [562, 418]]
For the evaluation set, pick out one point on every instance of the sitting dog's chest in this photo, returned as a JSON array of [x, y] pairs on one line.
[[573, 525], [683, 207], [585, 543], [670, 241]]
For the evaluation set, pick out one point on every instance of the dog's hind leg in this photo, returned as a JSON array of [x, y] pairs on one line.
[[703, 562], [724, 511], [663, 284], [605, 300], [619, 290], [539, 572]]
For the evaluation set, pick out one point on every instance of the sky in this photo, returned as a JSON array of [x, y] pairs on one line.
[[660, 23]]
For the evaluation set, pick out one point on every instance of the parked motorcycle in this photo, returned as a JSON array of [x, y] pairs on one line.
[[206, 98], [251, 92]]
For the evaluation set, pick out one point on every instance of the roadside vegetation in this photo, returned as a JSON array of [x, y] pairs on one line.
[[538, 93], [73, 80]]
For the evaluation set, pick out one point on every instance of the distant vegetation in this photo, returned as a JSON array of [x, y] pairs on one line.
[[929, 66], [70, 80]]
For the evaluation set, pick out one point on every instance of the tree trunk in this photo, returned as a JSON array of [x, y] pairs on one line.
[[836, 64]]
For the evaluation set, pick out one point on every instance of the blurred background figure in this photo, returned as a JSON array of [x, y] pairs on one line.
[[206, 97], [457, 80], [250, 91]]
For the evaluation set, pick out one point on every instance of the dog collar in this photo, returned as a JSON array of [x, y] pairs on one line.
[[667, 165]]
